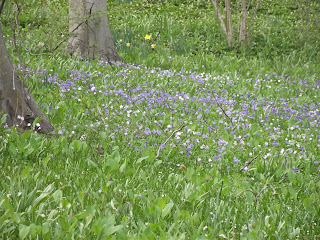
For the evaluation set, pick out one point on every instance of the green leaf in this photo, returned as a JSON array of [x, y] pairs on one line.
[[3, 119], [167, 209], [44, 194], [64, 224], [307, 202], [57, 195], [23, 231], [92, 163], [45, 228], [291, 175], [123, 167], [141, 159], [157, 163], [111, 230], [293, 193], [24, 174], [155, 225]]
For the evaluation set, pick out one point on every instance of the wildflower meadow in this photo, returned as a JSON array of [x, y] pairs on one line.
[[190, 139]]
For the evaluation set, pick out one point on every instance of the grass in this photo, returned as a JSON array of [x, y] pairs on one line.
[[244, 164]]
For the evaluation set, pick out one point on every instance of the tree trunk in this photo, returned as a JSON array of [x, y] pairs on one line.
[[89, 26], [223, 24], [229, 23], [15, 100], [243, 26]]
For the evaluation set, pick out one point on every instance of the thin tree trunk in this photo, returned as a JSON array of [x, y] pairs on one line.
[[252, 20], [243, 27], [93, 38], [15, 100], [229, 23], [216, 6]]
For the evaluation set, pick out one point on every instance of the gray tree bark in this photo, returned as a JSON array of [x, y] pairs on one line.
[[243, 26], [229, 23], [15, 100], [90, 32]]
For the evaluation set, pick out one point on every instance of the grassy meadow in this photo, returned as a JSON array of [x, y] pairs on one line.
[[192, 139]]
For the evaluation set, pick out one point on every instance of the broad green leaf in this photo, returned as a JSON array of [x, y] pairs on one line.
[[166, 210], [23, 231], [44, 194], [141, 159]]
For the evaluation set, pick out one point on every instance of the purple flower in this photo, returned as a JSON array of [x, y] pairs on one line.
[[315, 162], [235, 160]]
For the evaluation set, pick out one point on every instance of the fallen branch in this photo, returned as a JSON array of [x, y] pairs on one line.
[[163, 144], [256, 196], [248, 163]]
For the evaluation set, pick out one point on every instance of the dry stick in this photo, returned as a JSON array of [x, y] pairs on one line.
[[219, 105], [169, 136], [174, 132], [101, 115], [259, 194], [53, 49], [246, 190], [1, 6], [59, 44], [248, 163], [256, 196]]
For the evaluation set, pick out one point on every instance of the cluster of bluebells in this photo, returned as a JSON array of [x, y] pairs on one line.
[[272, 116]]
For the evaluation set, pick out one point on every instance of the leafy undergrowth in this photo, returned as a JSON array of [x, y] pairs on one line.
[[146, 153], [168, 153]]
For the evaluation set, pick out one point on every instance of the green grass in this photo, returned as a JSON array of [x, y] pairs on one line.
[[97, 175]]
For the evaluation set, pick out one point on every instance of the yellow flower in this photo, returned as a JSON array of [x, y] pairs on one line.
[[153, 45], [62, 35], [120, 40], [147, 37], [128, 44]]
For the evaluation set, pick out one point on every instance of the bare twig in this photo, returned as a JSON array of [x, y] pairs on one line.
[[248, 163], [2, 5], [256, 196], [261, 191], [62, 41], [246, 190], [219, 105], [173, 133], [101, 115]]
